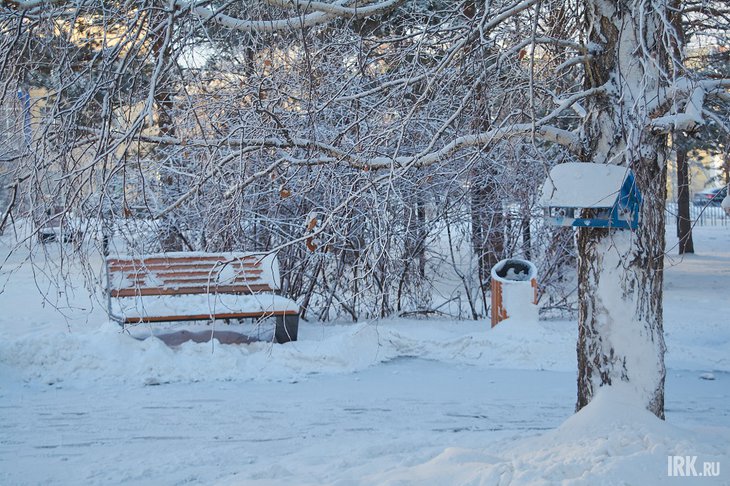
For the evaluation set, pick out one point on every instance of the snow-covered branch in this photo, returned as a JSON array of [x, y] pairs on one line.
[[687, 120], [691, 96], [338, 8], [29, 4], [321, 13], [552, 134]]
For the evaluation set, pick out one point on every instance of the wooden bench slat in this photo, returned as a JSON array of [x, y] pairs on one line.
[[205, 317], [196, 289], [184, 258], [202, 276], [180, 286], [182, 263], [210, 258], [243, 282], [203, 273]]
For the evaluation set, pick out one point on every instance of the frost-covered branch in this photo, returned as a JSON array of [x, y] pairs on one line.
[[30, 4], [692, 96], [322, 13], [338, 8], [562, 137]]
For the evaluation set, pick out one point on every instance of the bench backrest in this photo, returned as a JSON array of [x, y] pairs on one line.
[[183, 273]]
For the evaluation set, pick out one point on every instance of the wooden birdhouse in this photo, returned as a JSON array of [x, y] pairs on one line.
[[608, 190]]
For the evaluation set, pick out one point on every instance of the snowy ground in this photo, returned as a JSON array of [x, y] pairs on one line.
[[395, 402]]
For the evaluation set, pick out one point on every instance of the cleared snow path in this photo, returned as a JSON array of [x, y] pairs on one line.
[[403, 411], [400, 413]]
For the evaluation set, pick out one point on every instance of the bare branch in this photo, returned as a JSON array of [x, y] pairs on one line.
[[322, 14]]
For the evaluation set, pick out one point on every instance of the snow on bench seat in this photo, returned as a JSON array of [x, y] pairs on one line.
[[157, 308], [188, 286]]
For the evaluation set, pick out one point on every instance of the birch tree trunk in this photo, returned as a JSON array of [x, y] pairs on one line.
[[620, 271]]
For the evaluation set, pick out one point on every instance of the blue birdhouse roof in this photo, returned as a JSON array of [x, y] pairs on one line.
[[610, 189], [586, 185]]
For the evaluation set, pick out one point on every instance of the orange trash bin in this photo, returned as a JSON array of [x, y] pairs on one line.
[[514, 287]]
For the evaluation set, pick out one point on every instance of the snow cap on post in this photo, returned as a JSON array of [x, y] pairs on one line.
[[610, 190]]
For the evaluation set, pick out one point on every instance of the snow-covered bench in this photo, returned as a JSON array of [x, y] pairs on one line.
[[187, 286]]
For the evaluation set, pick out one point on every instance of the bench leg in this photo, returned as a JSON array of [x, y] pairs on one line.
[[46, 237], [286, 328]]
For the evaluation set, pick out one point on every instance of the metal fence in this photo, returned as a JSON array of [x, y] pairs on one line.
[[700, 215]]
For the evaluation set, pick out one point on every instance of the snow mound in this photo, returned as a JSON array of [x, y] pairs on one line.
[[105, 354], [612, 441]]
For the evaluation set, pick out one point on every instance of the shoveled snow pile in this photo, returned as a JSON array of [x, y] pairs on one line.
[[610, 442], [106, 354]]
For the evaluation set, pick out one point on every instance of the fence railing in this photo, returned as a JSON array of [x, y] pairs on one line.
[[700, 215]]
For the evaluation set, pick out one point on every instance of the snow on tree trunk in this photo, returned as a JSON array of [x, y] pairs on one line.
[[620, 271]]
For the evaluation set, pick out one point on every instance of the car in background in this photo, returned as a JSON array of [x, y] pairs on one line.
[[710, 197]]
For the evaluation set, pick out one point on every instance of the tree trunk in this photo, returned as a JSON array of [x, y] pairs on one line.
[[422, 235], [487, 226], [527, 234], [726, 161], [620, 332], [684, 222], [170, 237]]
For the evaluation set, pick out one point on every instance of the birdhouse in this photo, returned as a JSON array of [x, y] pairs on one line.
[[609, 190]]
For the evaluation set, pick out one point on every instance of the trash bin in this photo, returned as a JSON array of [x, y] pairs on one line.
[[514, 290]]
